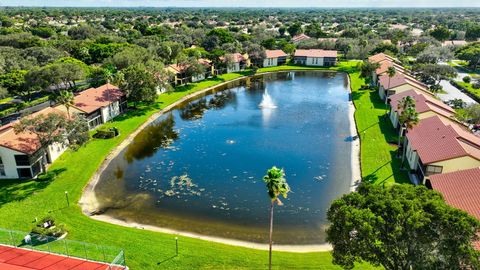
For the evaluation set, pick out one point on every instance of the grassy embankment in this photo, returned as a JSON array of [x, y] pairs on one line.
[[21, 202]]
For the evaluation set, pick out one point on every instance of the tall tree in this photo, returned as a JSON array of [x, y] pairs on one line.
[[401, 227], [139, 84], [391, 72], [65, 98], [52, 128], [276, 186], [441, 33], [407, 119]]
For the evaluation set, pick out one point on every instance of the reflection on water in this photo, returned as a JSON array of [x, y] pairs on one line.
[[200, 167], [154, 136]]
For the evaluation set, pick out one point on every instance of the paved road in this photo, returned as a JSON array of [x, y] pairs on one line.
[[453, 93]]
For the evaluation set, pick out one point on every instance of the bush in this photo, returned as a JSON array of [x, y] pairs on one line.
[[467, 79], [476, 85], [106, 133], [48, 227]]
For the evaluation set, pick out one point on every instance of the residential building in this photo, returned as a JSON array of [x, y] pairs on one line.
[[400, 82], [381, 57], [240, 62], [425, 105], [180, 72], [274, 58], [99, 105], [299, 38], [322, 58], [460, 189], [436, 146], [21, 155], [383, 68]]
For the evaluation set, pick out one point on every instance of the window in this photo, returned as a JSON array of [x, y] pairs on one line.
[[2, 168], [24, 173], [433, 170], [22, 160]]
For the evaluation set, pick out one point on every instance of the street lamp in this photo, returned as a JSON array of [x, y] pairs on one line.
[[66, 196]]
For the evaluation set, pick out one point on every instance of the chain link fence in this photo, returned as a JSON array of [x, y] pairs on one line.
[[114, 257]]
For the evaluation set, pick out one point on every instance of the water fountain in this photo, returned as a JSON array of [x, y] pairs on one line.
[[267, 101]]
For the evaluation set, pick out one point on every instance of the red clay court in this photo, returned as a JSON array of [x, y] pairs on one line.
[[12, 258]]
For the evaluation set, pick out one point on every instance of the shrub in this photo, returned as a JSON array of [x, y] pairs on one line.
[[476, 85], [467, 79], [106, 133], [48, 227]]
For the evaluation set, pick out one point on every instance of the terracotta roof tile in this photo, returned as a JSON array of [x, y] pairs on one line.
[[92, 99], [380, 57], [385, 64], [460, 189], [435, 140], [400, 79], [24, 142], [275, 53], [316, 53], [423, 103], [300, 37]]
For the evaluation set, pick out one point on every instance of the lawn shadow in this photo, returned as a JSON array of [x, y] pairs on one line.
[[377, 102], [167, 259], [386, 127], [19, 189], [400, 176]]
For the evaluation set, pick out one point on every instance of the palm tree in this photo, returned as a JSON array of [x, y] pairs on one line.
[[391, 73], [65, 98], [408, 119], [276, 185], [402, 107]]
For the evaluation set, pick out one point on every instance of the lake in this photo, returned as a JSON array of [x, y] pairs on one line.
[[199, 167]]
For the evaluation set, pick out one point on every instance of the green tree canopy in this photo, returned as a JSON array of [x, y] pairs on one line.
[[401, 227], [441, 33]]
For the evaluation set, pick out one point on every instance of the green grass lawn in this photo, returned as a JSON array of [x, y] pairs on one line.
[[22, 201], [469, 88], [378, 138]]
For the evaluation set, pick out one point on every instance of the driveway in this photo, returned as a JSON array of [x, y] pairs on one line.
[[451, 92]]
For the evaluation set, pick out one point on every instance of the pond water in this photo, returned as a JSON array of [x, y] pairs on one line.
[[199, 168]]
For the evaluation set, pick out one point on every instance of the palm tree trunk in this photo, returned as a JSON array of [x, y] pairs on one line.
[[400, 138], [404, 152], [271, 236]]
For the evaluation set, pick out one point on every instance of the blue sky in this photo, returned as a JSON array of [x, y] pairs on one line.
[[246, 3]]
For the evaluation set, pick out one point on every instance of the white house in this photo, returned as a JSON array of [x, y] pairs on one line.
[[99, 105], [239, 62], [21, 155], [322, 58], [179, 71], [274, 58]]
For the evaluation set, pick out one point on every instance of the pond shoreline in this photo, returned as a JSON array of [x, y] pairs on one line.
[[90, 206]]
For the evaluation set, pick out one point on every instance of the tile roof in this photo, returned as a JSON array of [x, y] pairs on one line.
[[275, 53], [316, 53], [93, 99], [179, 68], [385, 64], [300, 37], [380, 57], [423, 103], [24, 142], [400, 79], [460, 189], [237, 57], [435, 140]]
